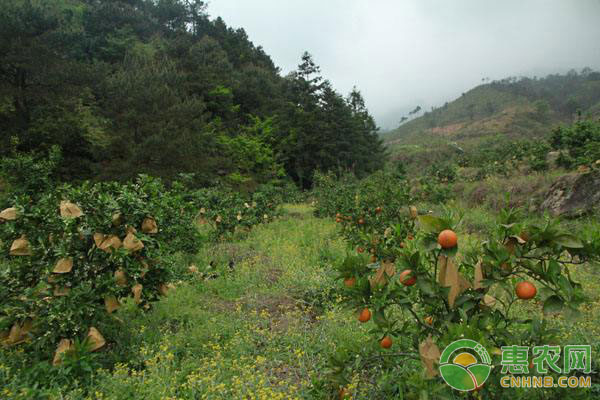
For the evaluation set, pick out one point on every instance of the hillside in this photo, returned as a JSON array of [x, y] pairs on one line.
[[160, 88], [510, 109]]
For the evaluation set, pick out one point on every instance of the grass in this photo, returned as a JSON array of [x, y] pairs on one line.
[[260, 321]]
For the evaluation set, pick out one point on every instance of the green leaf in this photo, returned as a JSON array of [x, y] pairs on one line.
[[429, 243], [568, 241], [553, 305], [379, 319], [553, 271], [425, 287], [565, 285], [432, 224]]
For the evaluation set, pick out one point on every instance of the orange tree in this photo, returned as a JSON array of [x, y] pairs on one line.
[[70, 255], [428, 292], [371, 212], [227, 210]]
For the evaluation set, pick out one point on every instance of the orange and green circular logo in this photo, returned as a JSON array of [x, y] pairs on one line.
[[465, 365]]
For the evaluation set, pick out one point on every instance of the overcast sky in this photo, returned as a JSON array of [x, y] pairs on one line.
[[403, 53]]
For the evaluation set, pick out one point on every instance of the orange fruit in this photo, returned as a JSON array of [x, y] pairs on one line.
[[338, 215], [378, 210], [525, 290], [361, 221], [360, 249], [364, 316], [386, 342], [447, 239], [429, 320], [402, 245], [349, 282], [338, 220], [407, 278]]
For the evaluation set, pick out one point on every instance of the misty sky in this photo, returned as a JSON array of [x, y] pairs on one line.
[[403, 53]]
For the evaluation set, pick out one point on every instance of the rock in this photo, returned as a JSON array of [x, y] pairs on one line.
[[573, 195]]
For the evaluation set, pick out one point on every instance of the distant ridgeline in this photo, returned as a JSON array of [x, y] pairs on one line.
[[523, 108], [157, 87]]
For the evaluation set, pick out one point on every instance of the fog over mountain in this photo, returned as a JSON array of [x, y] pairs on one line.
[[420, 52]]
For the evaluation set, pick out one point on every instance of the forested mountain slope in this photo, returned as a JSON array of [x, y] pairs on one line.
[[157, 86]]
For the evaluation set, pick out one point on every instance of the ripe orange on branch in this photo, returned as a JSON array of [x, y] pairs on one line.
[[407, 278], [364, 316], [447, 239], [386, 342], [525, 290]]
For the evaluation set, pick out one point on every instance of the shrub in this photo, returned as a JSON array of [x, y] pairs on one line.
[[581, 141], [73, 254], [424, 296]]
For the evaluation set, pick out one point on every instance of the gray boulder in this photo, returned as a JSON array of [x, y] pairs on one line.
[[574, 194]]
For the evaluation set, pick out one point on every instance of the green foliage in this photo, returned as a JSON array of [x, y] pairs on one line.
[[24, 173], [463, 291], [159, 88], [364, 209], [579, 143]]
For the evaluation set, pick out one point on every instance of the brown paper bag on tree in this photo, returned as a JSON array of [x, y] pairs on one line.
[[478, 276], [149, 225], [63, 266], [69, 210], [63, 346], [137, 293], [9, 214], [430, 356], [96, 339], [121, 277], [449, 277], [414, 214], [20, 247], [132, 243], [107, 243], [382, 275], [18, 332], [111, 303]]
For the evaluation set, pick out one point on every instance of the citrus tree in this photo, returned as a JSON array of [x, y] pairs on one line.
[[427, 292]]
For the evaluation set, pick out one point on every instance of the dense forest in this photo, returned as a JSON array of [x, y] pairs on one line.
[[124, 87]]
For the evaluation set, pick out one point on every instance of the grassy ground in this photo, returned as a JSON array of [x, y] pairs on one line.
[[261, 324]]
